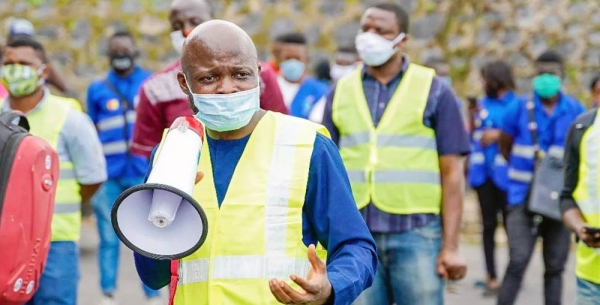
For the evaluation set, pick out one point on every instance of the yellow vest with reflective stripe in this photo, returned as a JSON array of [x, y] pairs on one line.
[[587, 196], [47, 123], [394, 165], [256, 234]]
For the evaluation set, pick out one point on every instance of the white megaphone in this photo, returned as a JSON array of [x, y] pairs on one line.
[[160, 219]]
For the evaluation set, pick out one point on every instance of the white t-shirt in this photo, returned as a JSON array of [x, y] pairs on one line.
[[288, 91]]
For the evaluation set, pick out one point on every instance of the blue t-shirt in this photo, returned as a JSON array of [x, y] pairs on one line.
[[329, 217]]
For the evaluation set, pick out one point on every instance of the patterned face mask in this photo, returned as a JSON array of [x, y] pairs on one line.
[[21, 80]]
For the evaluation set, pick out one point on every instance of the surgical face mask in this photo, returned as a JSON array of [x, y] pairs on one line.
[[292, 69], [226, 112], [339, 71], [374, 49], [177, 40], [121, 62], [21, 80], [546, 85]]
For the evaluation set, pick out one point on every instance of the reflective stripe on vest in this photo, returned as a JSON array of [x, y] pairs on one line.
[[256, 233], [528, 152], [116, 121], [587, 196], [47, 123], [394, 165]]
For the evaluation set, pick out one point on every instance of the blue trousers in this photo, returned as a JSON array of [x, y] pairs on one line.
[[407, 270], [58, 284], [108, 253], [588, 293]]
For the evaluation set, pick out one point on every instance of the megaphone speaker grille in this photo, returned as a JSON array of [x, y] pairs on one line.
[[180, 238]]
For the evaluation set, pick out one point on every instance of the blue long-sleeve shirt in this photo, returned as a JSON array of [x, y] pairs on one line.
[[329, 216]]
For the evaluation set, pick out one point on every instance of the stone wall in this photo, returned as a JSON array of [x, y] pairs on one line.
[[466, 33]]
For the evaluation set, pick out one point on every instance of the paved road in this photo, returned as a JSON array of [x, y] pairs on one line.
[[130, 291]]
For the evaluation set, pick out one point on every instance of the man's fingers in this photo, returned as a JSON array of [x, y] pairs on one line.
[[278, 293], [295, 296], [307, 286], [315, 261], [441, 269]]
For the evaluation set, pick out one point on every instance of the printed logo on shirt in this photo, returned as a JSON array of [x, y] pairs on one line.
[[112, 104]]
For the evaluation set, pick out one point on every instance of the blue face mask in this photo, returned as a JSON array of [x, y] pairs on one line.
[[226, 112], [292, 69]]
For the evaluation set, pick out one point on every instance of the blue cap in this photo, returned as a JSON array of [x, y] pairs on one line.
[[21, 27]]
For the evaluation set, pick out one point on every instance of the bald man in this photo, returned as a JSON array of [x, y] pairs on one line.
[[160, 99], [274, 186]]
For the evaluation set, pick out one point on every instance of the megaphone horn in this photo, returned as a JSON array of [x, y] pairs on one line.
[[160, 219]]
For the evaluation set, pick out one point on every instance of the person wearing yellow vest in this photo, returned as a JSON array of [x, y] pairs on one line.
[[580, 202], [273, 187], [82, 167], [403, 141]]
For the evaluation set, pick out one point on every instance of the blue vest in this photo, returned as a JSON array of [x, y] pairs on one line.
[[310, 92], [115, 120], [552, 132], [487, 162]]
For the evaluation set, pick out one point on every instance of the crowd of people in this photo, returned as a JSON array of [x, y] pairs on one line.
[[370, 154]]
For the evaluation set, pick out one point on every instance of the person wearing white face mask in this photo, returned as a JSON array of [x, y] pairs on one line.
[[300, 92], [346, 60], [273, 186], [395, 123], [160, 99]]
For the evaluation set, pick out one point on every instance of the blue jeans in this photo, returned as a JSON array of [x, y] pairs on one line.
[[406, 272], [588, 293], [108, 254], [58, 284]]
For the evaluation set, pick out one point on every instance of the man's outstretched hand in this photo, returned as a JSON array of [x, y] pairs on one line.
[[315, 289]]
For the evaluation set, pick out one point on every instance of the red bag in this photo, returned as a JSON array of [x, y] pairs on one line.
[[29, 170]]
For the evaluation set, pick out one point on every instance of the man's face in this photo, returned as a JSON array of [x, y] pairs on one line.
[[380, 22], [345, 58], [596, 94], [442, 70], [25, 56], [276, 51], [294, 51], [187, 15], [121, 46], [215, 72], [549, 68]]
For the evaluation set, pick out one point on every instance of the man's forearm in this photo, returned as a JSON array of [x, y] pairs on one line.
[[88, 191], [573, 219], [452, 199]]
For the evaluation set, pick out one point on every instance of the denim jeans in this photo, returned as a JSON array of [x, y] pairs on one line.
[[108, 254], [58, 284], [521, 242], [588, 293], [406, 272]]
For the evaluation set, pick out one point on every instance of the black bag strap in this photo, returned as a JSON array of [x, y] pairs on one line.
[[119, 95], [533, 129], [12, 118]]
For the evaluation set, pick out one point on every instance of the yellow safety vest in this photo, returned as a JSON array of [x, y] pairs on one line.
[[587, 196], [394, 165], [256, 234], [47, 123]]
